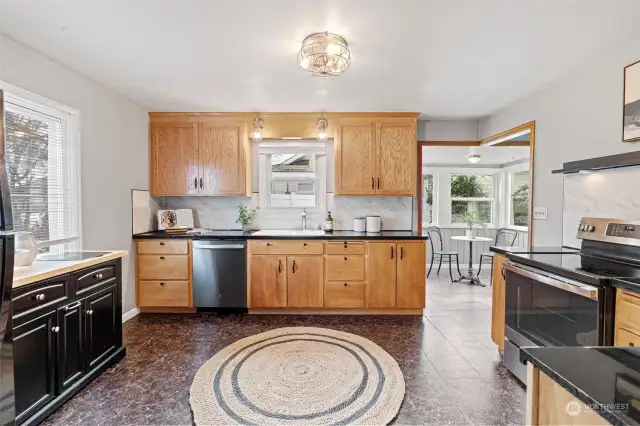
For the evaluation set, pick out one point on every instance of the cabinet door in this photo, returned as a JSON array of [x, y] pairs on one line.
[[396, 154], [381, 288], [71, 359], [268, 282], [304, 281], [102, 325], [497, 302], [174, 158], [34, 370], [354, 153], [222, 156], [411, 278]]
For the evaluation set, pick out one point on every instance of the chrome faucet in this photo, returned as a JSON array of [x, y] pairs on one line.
[[304, 219]]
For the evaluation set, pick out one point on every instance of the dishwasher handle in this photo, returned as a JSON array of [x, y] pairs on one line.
[[220, 247]]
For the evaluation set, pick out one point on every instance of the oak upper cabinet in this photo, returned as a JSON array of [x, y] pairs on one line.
[[375, 156], [411, 275], [354, 151], [304, 281], [268, 278], [396, 156], [174, 158], [199, 154], [222, 156], [381, 291]]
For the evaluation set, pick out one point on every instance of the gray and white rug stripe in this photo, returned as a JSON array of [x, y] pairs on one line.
[[298, 375]]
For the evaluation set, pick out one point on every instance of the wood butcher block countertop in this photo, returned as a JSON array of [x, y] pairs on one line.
[[43, 269]]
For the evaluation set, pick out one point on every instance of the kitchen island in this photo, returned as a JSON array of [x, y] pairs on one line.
[[343, 272], [67, 329]]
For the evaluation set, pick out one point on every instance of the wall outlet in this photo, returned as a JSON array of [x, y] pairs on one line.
[[539, 213]]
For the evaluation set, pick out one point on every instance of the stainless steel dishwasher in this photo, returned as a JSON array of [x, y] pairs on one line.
[[219, 274]]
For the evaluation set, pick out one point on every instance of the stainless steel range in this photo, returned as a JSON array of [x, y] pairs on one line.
[[564, 299]]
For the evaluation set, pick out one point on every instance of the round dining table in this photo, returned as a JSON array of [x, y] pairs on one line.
[[471, 276]]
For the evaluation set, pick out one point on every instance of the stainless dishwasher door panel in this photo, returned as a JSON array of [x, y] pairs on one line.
[[219, 274]]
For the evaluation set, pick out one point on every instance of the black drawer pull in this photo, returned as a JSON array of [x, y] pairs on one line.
[[161, 257], [161, 244], [304, 244], [345, 244], [162, 284], [268, 244], [345, 258], [345, 284], [631, 344]]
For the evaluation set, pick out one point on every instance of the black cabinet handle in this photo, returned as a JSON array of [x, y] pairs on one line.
[[373, 186], [378, 182], [345, 258], [392, 252], [401, 252], [293, 267], [345, 244], [279, 266], [161, 244], [201, 185], [161, 257], [268, 244], [345, 284], [304, 244], [162, 284], [631, 344], [195, 183]]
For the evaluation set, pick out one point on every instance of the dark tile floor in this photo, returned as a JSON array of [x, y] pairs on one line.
[[452, 369]]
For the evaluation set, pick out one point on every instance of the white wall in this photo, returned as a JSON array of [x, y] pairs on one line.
[[447, 130], [579, 116], [114, 148]]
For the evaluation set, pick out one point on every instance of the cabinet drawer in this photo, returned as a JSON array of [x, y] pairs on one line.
[[345, 247], [345, 268], [626, 338], [163, 247], [296, 247], [344, 295], [163, 293], [46, 292], [91, 276], [169, 267], [627, 314]]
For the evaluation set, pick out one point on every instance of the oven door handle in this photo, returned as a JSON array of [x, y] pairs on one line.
[[569, 285]]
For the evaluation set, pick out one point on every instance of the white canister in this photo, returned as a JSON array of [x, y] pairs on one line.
[[359, 224], [373, 223]]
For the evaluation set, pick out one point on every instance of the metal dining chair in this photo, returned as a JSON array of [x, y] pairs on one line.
[[433, 232], [510, 236]]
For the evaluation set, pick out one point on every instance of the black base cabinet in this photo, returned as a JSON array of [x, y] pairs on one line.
[[66, 331]]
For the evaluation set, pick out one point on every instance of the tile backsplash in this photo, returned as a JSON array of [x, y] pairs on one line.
[[606, 193], [222, 212]]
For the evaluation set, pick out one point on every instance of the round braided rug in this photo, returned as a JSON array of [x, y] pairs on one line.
[[298, 375]]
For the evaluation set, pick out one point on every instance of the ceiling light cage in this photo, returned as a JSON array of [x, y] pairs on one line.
[[324, 55]]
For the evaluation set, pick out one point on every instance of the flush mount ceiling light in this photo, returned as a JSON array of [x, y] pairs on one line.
[[324, 55], [258, 125], [474, 158], [322, 130]]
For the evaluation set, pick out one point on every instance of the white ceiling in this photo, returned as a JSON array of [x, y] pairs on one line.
[[489, 155], [455, 58]]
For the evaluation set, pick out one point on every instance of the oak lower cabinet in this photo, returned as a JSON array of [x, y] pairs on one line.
[[396, 275], [65, 339], [627, 319], [497, 302], [268, 280], [304, 281]]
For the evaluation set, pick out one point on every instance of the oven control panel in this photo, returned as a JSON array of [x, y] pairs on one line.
[[609, 230]]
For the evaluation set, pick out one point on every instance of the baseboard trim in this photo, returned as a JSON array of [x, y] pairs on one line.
[[128, 315], [334, 311]]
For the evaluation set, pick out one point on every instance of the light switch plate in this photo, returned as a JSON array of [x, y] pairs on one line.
[[539, 213]]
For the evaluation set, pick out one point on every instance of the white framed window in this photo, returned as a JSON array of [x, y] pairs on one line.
[[518, 199], [43, 168], [292, 175], [428, 199], [472, 193]]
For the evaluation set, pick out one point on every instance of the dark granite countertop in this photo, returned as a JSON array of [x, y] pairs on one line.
[[543, 249], [605, 379], [336, 235], [630, 284]]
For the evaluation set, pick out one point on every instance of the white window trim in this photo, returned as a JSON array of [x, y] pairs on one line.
[[493, 200], [319, 149], [73, 130], [507, 194]]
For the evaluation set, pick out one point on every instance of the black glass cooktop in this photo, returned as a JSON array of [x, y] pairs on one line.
[[592, 269]]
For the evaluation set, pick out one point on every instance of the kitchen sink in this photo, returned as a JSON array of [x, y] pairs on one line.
[[288, 232]]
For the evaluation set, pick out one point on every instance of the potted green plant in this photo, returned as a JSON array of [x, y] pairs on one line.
[[246, 216], [472, 219]]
